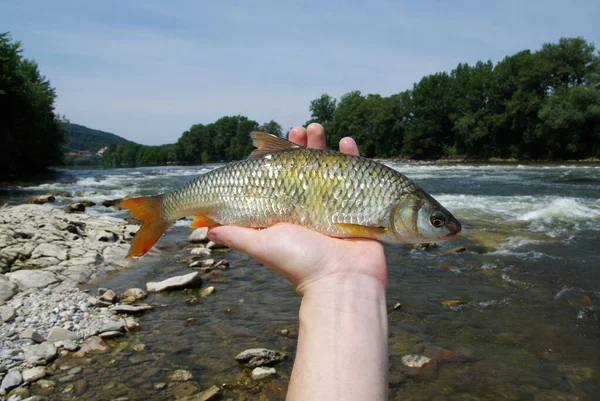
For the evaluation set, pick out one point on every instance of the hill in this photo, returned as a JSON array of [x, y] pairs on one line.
[[84, 138]]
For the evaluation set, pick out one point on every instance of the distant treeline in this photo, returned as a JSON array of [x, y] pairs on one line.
[[542, 105], [83, 138], [226, 139]]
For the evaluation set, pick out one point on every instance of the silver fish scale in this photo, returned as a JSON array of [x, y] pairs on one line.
[[308, 187]]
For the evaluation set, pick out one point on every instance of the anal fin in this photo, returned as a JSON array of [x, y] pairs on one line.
[[362, 231]]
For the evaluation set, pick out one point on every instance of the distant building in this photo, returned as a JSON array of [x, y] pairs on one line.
[[85, 153], [101, 151]]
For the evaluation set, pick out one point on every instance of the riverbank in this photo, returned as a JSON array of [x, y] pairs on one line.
[[45, 253]]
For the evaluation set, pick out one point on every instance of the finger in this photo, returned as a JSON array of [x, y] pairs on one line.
[[316, 136], [348, 146], [246, 240], [298, 135]]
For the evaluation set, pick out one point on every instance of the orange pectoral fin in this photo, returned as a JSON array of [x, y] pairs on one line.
[[363, 231], [202, 221]]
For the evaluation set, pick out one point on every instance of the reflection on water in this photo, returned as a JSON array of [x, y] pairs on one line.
[[525, 325]]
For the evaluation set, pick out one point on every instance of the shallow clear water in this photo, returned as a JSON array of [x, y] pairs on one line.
[[529, 283]]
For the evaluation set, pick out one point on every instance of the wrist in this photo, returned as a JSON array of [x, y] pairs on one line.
[[344, 291]]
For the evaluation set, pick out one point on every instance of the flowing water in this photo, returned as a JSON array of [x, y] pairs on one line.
[[522, 324]]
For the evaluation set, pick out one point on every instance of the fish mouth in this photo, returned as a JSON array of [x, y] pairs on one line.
[[454, 227]]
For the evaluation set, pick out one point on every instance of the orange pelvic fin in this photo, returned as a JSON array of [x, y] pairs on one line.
[[148, 209], [203, 221], [362, 231]]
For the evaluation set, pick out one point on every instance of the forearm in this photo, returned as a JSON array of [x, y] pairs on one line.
[[343, 341]]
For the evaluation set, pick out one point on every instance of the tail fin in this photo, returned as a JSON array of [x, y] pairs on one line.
[[147, 209]]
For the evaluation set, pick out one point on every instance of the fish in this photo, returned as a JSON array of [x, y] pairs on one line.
[[336, 194]]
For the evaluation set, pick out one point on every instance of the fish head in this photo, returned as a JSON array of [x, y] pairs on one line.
[[418, 218]]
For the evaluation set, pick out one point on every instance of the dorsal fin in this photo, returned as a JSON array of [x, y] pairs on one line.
[[268, 143]]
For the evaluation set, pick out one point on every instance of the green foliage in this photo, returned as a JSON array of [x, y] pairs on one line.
[[130, 154], [32, 134], [84, 138], [531, 105], [322, 110]]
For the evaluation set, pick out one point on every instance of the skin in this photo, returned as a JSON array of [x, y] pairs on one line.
[[342, 349]]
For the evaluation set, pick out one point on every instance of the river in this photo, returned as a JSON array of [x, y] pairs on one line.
[[524, 325]]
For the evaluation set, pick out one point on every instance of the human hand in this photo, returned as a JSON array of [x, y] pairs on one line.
[[306, 258]]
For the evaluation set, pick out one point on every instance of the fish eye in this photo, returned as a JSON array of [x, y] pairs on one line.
[[437, 219]]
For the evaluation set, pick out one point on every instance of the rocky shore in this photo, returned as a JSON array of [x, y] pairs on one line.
[[45, 252]]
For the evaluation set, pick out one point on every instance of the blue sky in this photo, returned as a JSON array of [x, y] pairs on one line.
[[148, 70]]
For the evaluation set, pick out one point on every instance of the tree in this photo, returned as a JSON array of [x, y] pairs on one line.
[[272, 127], [33, 135], [322, 109]]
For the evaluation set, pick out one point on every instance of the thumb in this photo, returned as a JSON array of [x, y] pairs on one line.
[[242, 239]]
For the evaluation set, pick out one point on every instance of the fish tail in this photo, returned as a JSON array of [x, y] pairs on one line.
[[149, 210]]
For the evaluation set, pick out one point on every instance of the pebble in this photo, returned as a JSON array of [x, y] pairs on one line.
[[415, 361], [199, 235], [200, 252], [255, 357], [190, 280], [8, 314], [181, 375], [11, 380], [33, 374], [262, 373], [207, 291], [32, 335]]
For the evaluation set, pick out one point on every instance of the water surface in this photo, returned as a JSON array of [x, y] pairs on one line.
[[527, 327]]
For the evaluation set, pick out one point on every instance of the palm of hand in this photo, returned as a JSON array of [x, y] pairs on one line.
[[304, 256]]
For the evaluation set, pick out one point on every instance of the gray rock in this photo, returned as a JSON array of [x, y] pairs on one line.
[[207, 291], [11, 380], [92, 344], [75, 371], [111, 334], [131, 324], [69, 345], [120, 308], [7, 314], [33, 374], [26, 279], [206, 395], [39, 354], [262, 373], [136, 293], [118, 325], [7, 289], [200, 252], [202, 263], [181, 375], [109, 296], [415, 361], [255, 357], [31, 334], [191, 280], [40, 199], [214, 245], [61, 334], [117, 255], [199, 235], [79, 207], [50, 250]]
